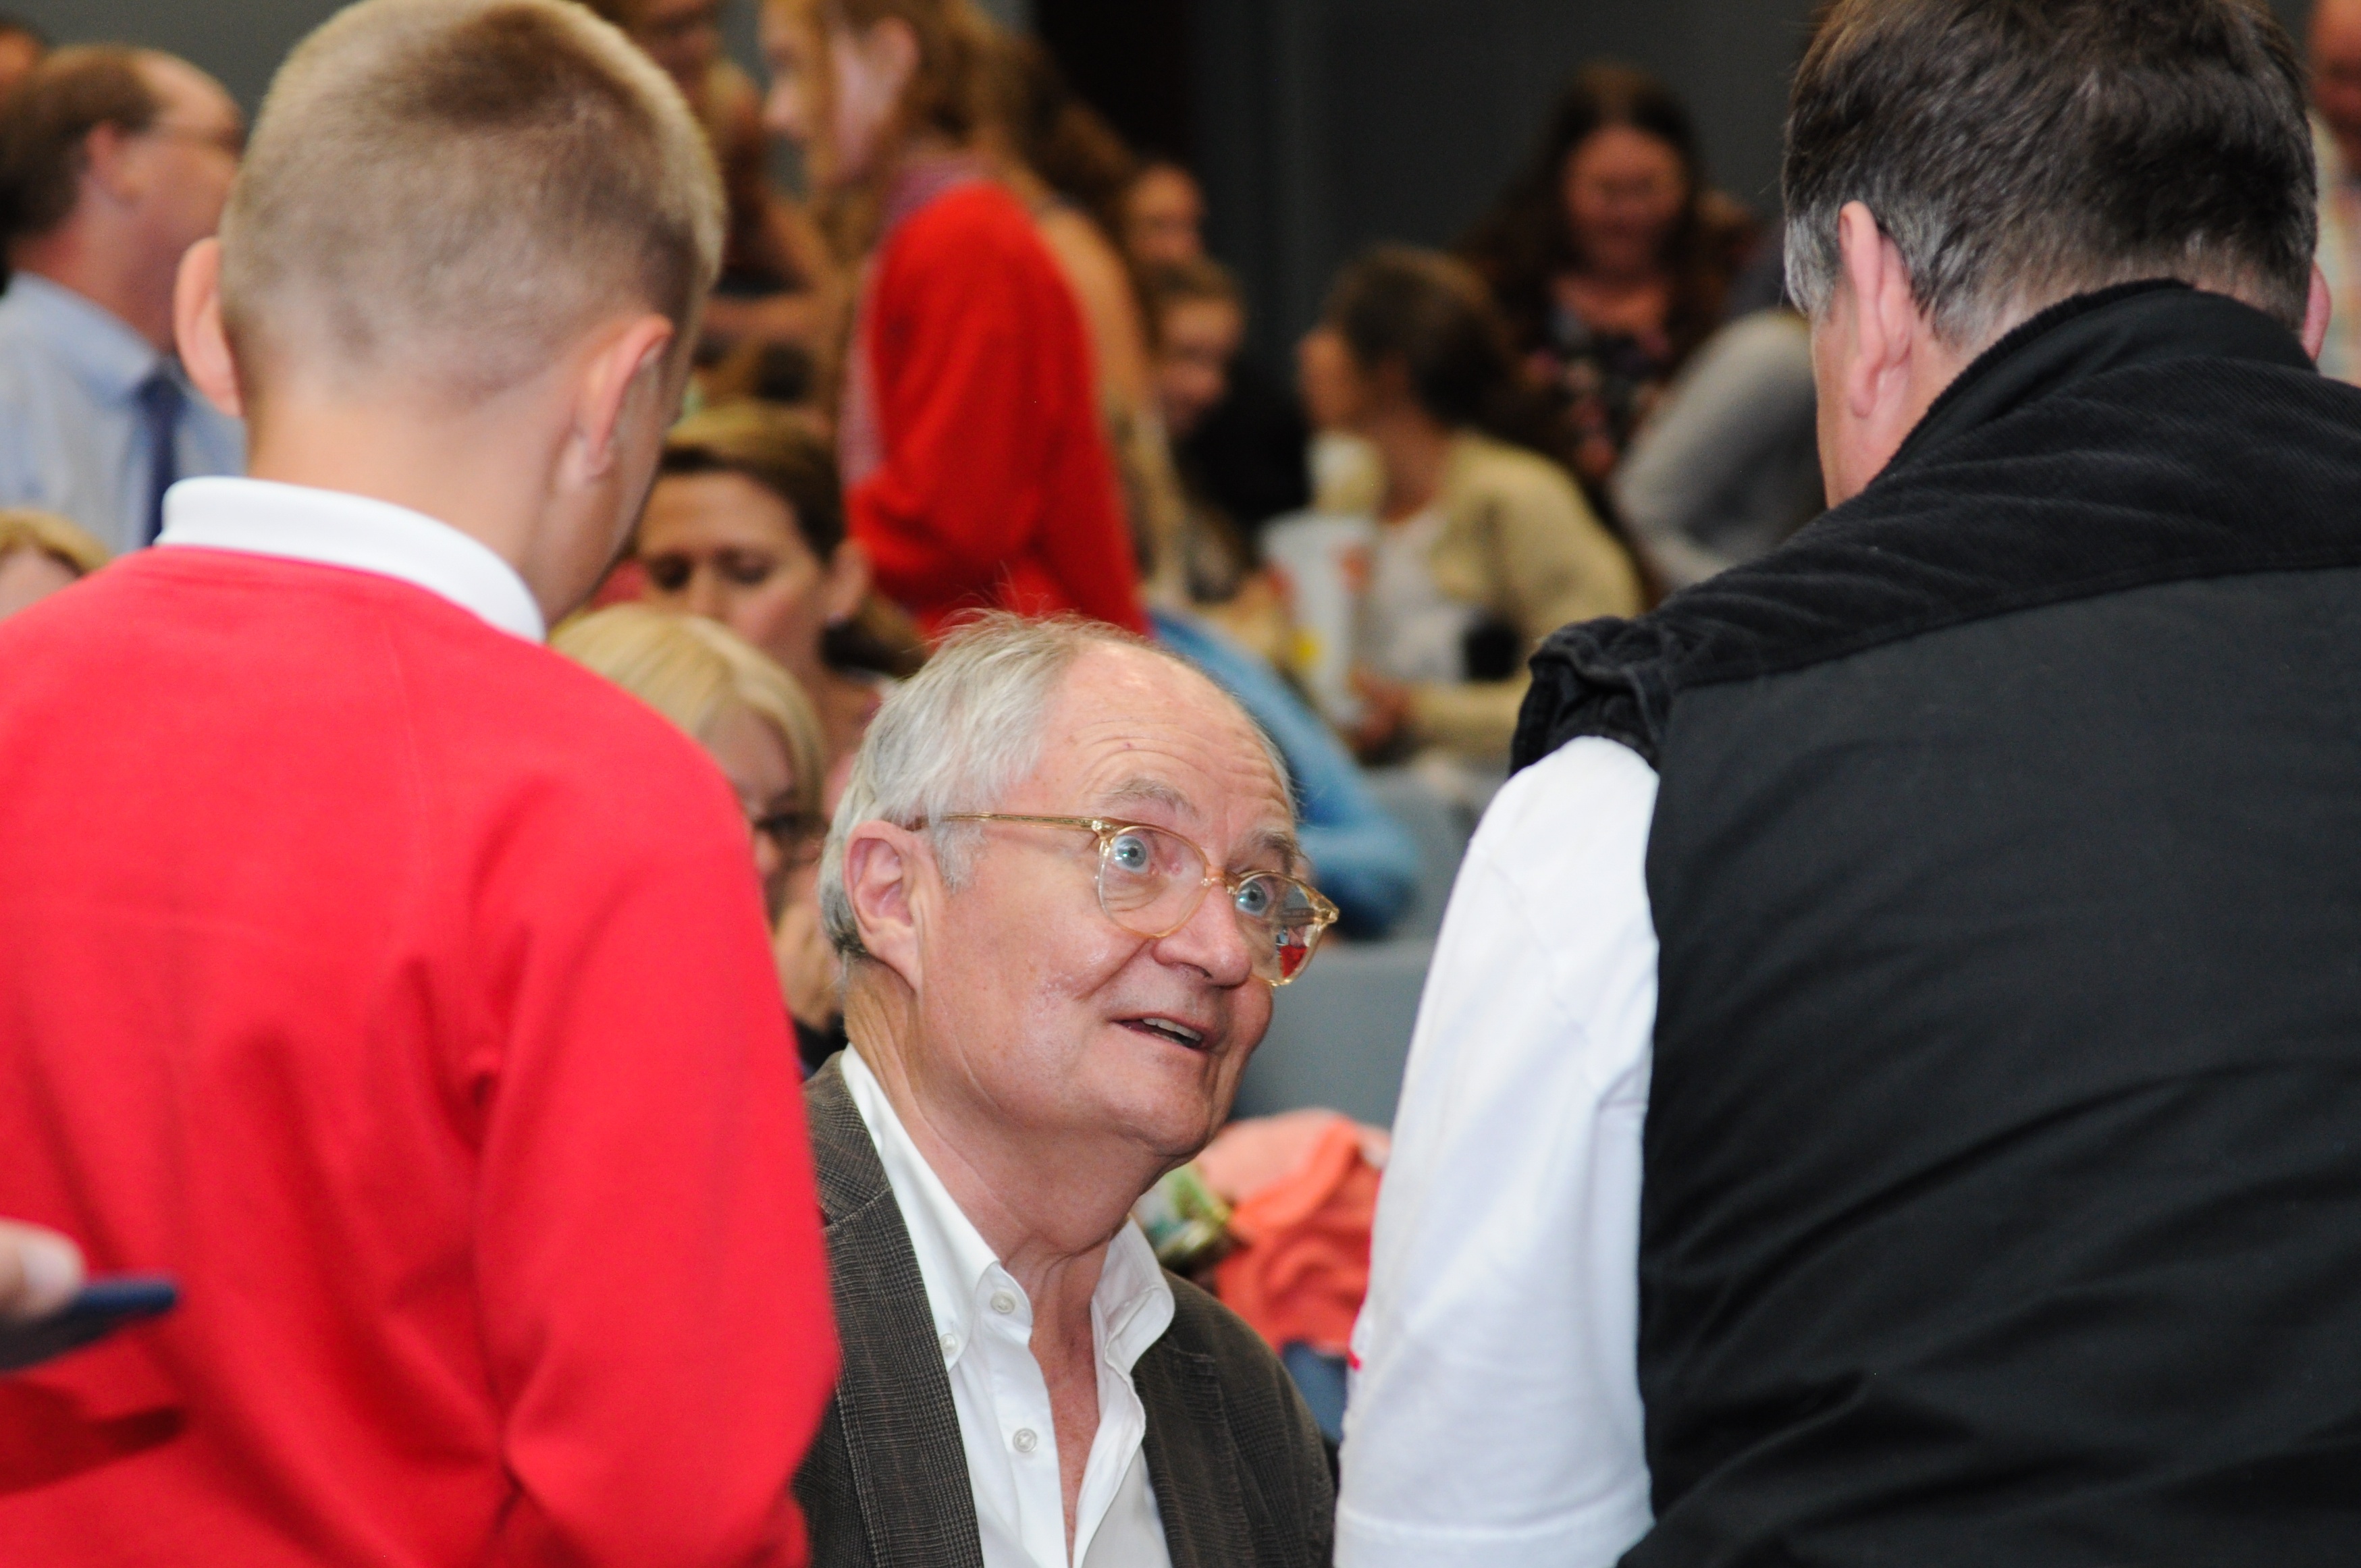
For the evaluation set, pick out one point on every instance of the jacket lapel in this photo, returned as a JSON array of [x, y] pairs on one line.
[[1193, 1459], [909, 1464]]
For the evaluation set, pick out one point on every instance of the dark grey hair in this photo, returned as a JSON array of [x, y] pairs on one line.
[[961, 733], [2020, 152]]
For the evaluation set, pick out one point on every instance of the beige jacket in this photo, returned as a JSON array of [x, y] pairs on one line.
[[1520, 543]]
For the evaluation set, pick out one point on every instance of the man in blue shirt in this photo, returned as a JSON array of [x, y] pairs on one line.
[[113, 162]]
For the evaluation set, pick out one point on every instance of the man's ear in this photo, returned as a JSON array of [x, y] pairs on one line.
[[2316, 314], [197, 328], [1886, 325], [883, 868], [107, 162], [622, 380]]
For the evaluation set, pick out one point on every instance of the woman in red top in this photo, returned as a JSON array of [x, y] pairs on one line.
[[975, 472]]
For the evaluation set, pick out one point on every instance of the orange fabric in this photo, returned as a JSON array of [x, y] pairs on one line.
[[1302, 1264]]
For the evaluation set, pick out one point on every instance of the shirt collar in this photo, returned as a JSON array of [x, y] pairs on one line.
[[330, 527], [102, 349], [1131, 1308]]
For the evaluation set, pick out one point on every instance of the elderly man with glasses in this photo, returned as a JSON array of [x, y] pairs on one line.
[[1065, 881]]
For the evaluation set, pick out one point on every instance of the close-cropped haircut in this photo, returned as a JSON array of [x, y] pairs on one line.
[[2019, 152], [959, 735], [455, 189], [45, 129]]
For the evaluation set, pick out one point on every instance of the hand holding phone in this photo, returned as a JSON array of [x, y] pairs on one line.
[[46, 1309], [96, 1311]]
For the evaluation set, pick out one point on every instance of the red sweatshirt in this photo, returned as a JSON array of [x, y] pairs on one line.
[[399, 988], [993, 486]]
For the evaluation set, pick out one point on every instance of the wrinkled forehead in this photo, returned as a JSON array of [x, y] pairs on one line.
[[1134, 734]]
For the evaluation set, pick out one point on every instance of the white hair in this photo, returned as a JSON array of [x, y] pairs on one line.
[[961, 734]]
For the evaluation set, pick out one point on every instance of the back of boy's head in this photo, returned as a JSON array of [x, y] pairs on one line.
[[446, 193]]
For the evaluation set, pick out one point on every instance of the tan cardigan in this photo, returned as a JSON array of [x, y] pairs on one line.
[[1520, 543]]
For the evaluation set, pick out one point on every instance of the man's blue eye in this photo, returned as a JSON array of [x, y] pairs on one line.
[[1131, 852], [1256, 898]]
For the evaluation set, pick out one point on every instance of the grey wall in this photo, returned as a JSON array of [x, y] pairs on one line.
[[1325, 125]]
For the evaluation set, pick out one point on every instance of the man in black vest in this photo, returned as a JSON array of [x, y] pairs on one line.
[[1890, 1092]]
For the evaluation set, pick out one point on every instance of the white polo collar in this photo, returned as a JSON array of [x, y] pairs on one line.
[[330, 527]]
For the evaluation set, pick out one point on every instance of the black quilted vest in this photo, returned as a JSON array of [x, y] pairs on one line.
[[2003, 1195]]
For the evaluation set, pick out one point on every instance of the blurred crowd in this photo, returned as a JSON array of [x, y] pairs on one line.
[[1018, 380], [973, 438]]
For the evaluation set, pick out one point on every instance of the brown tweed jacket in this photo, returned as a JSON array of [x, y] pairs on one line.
[[1240, 1476]]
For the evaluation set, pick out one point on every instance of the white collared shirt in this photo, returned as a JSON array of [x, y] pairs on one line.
[[73, 439], [1496, 1415], [330, 527], [984, 1323]]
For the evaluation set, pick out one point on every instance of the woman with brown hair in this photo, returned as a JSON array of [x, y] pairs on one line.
[[745, 527], [1481, 548], [976, 473], [1610, 258]]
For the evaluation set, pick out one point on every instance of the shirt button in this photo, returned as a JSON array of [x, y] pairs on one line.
[[951, 1346], [1003, 1302], [1025, 1440]]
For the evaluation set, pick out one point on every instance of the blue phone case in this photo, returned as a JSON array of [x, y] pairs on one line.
[[103, 1307]]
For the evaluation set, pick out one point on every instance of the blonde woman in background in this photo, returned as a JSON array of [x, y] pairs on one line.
[[41, 553], [757, 724]]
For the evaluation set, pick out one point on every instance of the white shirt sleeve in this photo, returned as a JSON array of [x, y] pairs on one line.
[[1495, 1415]]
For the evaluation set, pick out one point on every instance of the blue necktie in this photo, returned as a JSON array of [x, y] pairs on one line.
[[161, 402]]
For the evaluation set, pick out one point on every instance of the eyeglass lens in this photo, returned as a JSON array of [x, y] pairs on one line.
[[1150, 881]]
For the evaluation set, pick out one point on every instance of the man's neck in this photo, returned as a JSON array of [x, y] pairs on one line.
[[1048, 1209], [115, 277], [479, 474]]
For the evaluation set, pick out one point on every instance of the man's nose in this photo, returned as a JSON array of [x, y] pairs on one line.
[[704, 595], [1212, 940]]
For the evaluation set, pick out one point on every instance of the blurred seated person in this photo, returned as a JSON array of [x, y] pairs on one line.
[[1062, 884], [1481, 548], [40, 554], [976, 472], [1200, 320], [1070, 169], [1163, 215], [1245, 452], [745, 527], [1610, 258], [756, 724], [1728, 466], [778, 286], [22, 46], [39, 1271], [113, 163]]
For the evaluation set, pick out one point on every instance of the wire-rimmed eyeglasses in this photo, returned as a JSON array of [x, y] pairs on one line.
[[1151, 880]]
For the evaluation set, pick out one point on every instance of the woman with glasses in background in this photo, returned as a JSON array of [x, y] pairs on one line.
[[756, 722]]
